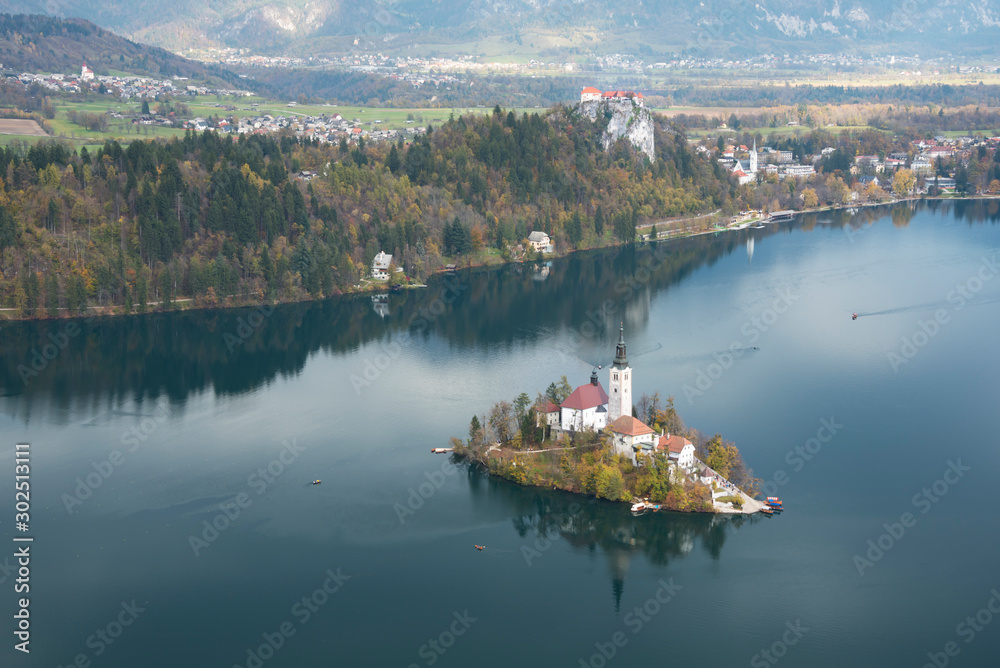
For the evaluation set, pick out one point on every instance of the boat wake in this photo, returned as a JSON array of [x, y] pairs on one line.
[[932, 306]]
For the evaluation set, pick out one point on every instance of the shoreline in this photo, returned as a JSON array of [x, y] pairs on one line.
[[8, 314], [495, 455]]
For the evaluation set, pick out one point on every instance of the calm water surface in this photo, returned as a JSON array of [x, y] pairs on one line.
[[200, 406]]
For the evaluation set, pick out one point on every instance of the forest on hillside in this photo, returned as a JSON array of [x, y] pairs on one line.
[[33, 43], [231, 221]]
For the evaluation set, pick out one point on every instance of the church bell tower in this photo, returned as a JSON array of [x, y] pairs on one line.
[[620, 382]]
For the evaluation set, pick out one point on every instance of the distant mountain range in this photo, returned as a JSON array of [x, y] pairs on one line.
[[723, 27]]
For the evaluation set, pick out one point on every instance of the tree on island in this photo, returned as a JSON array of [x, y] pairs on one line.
[[502, 421], [726, 460], [558, 393], [475, 429]]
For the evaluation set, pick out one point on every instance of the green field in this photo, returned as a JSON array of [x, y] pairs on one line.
[[371, 118], [205, 106]]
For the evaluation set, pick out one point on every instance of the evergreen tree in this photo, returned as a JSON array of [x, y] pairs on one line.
[[142, 290], [29, 282], [8, 229], [574, 228], [51, 291], [392, 161], [475, 430], [76, 298], [599, 220], [166, 288]]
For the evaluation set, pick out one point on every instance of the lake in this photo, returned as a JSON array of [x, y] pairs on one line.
[[174, 522]]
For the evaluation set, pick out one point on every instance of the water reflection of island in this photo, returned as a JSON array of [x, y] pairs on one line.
[[588, 525]]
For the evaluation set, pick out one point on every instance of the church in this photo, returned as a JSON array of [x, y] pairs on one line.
[[589, 407], [745, 171]]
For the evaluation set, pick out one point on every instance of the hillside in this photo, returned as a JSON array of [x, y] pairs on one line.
[[719, 26], [233, 221], [46, 44]]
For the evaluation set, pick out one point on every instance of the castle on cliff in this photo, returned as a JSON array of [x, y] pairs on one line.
[[591, 94]]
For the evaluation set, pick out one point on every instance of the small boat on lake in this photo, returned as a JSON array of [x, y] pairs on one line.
[[316, 482]]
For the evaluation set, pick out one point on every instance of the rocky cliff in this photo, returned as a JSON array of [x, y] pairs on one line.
[[625, 119]]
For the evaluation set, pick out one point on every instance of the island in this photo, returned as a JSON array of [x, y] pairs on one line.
[[591, 441]]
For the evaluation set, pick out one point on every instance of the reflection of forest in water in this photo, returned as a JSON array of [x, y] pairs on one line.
[[590, 525], [173, 354]]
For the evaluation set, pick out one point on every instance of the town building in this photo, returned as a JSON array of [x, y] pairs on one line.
[[540, 241], [799, 170], [632, 438], [380, 266], [745, 170], [680, 451], [548, 414]]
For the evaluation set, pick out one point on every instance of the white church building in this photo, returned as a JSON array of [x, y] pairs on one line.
[[589, 407], [746, 170], [586, 409]]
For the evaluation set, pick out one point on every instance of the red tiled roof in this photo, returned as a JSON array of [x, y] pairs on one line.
[[629, 426], [549, 407], [672, 443], [589, 89], [586, 396]]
